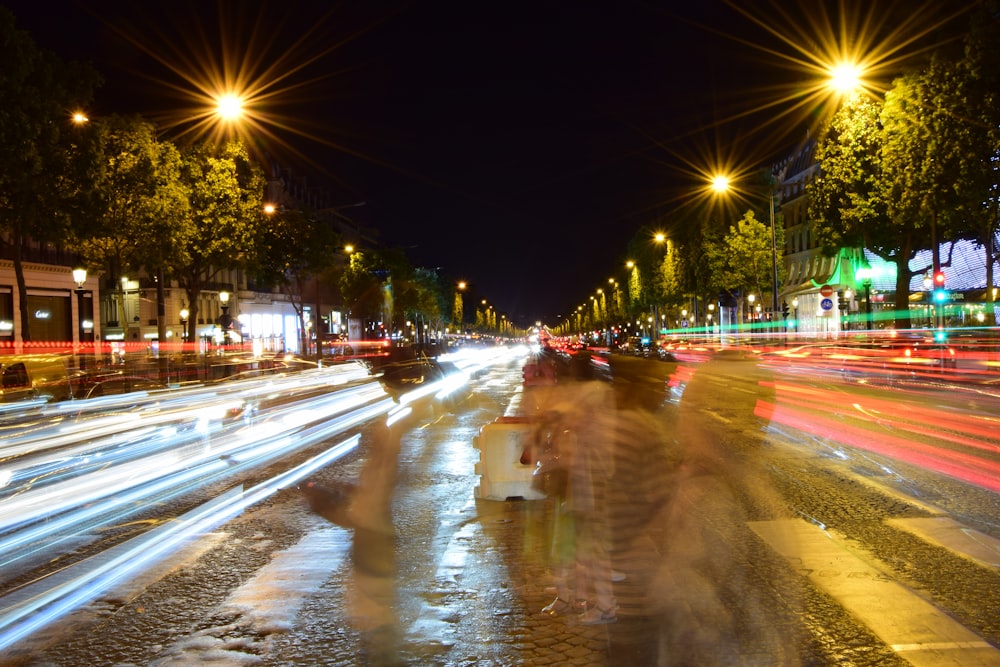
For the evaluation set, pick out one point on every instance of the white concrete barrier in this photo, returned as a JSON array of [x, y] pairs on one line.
[[502, 476]]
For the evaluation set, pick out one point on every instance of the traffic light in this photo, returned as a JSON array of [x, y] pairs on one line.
[[940, 296], [843, 302], [784, 309]]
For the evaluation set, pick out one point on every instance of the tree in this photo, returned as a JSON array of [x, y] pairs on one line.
[[922, 154], [848, 201], [37, 89], [903, 176], [429, 302], [458, 310], [979, 179], [668, 279], [361, 286], [743, 259], [694, 270], [295, 248], [135, 208], [226, 208]]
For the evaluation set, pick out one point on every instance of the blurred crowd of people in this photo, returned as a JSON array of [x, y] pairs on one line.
[[648, 522]]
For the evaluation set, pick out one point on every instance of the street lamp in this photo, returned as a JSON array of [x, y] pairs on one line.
[[80, 278], [845, 78], [225, 319], [229, 107], [864, 274], [774, 262], [185, 313]]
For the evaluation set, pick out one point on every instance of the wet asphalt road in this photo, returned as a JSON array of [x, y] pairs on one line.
[[702, 587]]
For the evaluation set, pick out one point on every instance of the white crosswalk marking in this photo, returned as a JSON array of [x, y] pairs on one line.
[[923, 634]]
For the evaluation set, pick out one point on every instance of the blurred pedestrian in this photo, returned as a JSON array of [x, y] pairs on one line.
[[366, 508], [578, 424]]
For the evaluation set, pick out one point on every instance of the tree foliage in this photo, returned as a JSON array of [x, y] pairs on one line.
[[35, 189], [743, 259], [226, 209], [909, 173], [293, 248], [978, 93], [136, 201], [361, 285], [668, 281]]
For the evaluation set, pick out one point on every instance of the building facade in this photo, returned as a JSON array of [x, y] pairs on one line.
[[66, 314], [855, 289]]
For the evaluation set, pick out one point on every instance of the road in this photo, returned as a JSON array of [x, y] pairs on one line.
[[784, 536]]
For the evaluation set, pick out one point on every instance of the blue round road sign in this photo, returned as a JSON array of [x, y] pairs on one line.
[[826, 304]]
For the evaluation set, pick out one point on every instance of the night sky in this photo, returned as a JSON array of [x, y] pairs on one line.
[[517, 145]]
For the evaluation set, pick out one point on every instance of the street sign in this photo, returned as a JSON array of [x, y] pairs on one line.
[[826, 304], [826, 290]]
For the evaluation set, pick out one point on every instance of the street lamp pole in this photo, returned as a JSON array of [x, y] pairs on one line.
[[864, 274], [80, 278], [774, 266], [721, 185]]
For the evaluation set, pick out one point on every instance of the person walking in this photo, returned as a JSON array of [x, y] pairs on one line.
[[578, 426]]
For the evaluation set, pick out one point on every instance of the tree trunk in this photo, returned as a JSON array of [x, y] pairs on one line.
[[903, 275], [193, 292], [161, 326], [989, 238], [22, 291]]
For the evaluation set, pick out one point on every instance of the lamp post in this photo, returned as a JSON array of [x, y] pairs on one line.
[[184, 321], [459, 307], [80, 278], [225, 319], [864, 274], [774, 263]]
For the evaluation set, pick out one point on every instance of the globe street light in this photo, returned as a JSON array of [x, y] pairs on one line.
[[80, 278], [229, 107], [845, 78]]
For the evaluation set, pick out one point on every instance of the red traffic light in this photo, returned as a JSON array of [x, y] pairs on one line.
[[939, 278]]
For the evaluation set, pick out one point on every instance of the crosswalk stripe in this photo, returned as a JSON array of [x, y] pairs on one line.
[[895, 614]]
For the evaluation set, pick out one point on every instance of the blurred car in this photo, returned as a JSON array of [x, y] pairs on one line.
[[892, 359], [664, 353], [114, 385], [922, 354], [39, 376], [399, 377]]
